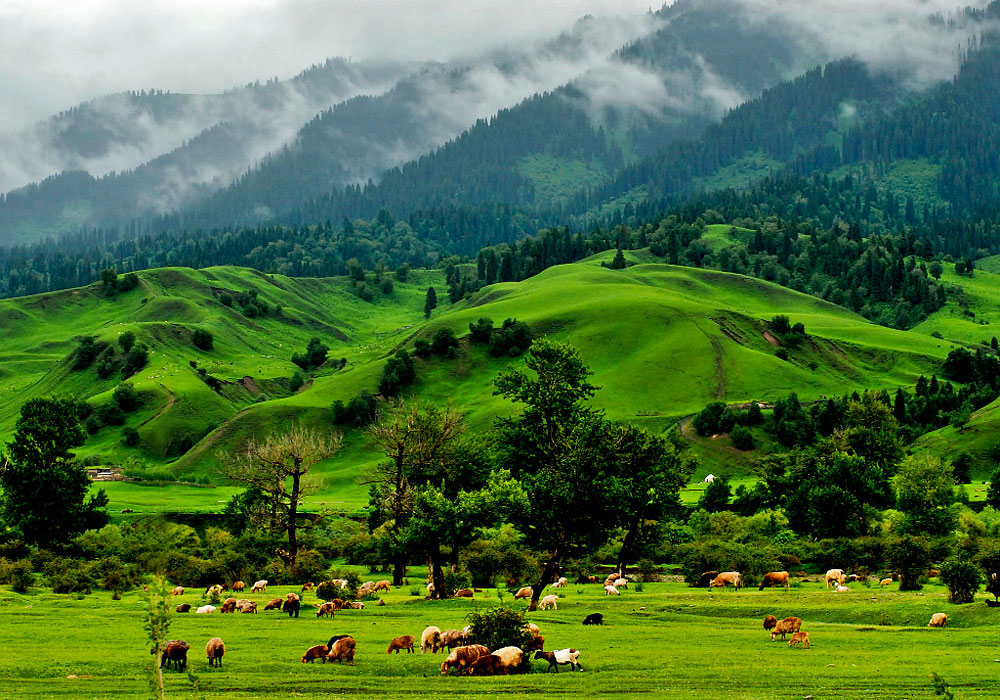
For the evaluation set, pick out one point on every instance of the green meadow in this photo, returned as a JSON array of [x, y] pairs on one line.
[[658, 642]]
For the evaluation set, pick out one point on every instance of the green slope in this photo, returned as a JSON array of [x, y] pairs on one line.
[[662, 341]]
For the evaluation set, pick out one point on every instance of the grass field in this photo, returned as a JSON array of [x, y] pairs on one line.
[[668, 641]]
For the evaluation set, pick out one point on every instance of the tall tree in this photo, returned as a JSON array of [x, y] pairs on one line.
[[430, 302], [44, 489], [562, 453], [279, 468]]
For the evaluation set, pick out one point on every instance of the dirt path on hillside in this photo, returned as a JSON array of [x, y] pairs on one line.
[[170, 402]]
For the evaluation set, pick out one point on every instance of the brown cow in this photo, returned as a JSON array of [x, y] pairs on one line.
[[229, 606], [731, 578], [404, 642], [274, 604], [325, 609], [786, 626], [774, 578], [239, 586], [800, 638], [463, 658], [770, 622], [312, 653]]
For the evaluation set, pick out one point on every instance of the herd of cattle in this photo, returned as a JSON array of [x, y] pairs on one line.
[[466, 657]]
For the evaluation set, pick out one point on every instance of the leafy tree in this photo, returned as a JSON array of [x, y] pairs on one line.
[[716, 496], [109, 278], [313, 357], [714, 418], [403, 272], [397, 373], [742, 438], [910, 557], [512, 338], [86, 353], [562, 453], [963, 579], [781, 324], [618, 263], [130, 436], [924, 488], [126, 397], [443, 339], [279, 469], [993, 491], [499, 627], [126, 340], [202, 339], [111, 414], [360, 410], [430, 302], [296, 382], [44, 489], [481, 330], [135, 359], [962, 468]]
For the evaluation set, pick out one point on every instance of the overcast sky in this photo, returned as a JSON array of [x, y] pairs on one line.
[[57, 53]]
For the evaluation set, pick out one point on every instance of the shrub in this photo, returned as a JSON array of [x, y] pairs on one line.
[[111, 414], [397, 373], [314, 356], [115, 576], [963, 579], [716, 495], [714, 418], [17, 574], [443, 339], [126, 341], [910, 557], [296, 382], [455, 580], [359, 411], [499, 627], [135, 360], [353, 581], [993, 492], [481, 330], [202, 340], [512, 338], [130, 436], [69, 576], [781, 325], [86, 353], [781, 354], [127, 398], [742, 438]]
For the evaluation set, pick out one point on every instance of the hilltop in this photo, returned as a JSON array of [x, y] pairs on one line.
[[662, 341]]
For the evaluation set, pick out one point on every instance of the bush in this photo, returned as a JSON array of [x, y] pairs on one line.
[[130, 436], [314, 356], [993, 492], [111, 414], [202, 340], [499, 627], [296, 382], [17, 574], [781, 354], [127, 398], [359, 411], [115, 576], [716, 495], [69, 576], [781, 325], [442, 340], [513, 338], [481, 330], [714, 418], [963, 579], [397, 373], [126, 341], [742, 438], [135, 360], [353, 582], [86, 353]]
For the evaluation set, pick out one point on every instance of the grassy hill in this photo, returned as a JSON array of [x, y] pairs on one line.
[[662, 342]]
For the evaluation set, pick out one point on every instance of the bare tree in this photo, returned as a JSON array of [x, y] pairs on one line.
[[279, 467]]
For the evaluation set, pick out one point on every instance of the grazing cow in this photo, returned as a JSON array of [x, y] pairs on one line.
[[274, 604], [774, 578], [938, 620], [789, 625], [312, 653], [594, 619], [291, 606], [462, 658], [399, 643], [835, 576], [770, 622], [215, 650], [239, 586], [325, 609], [727, 578], [342, 650], [800, 638]]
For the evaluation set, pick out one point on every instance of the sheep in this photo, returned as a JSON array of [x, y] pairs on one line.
[[228, 606], [259, 586], [511, 658], [183, 608], [335, 638], [178, 590], [842, 589], [452, 638], [325, 609], [214, 590], [938, 620], [885, 582], [786, 626], [215, 650], [312, 653], [291, 606], [463, 657], [174, 651], [594, 619], [464, 593], [274, 604], [611, 590], [621, 583], [524, 592], [488, 665], [727, 578], [366, 588], [292, 596], [308, 586], [549, 601], [398, 643], [354, 605], [381, 586], [249, 606], [531, 628], [560, 658], [774, 578], [835, 576], [239, 586], [800, 638], [561, 583], [430, 640], [337, 603], [205, 610], [342, 650], [770, 622]]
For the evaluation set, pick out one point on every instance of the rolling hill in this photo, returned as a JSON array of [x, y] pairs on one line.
[[662, 342]]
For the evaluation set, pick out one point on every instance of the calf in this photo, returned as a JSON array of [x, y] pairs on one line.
[[404, 642], [800, 638]]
